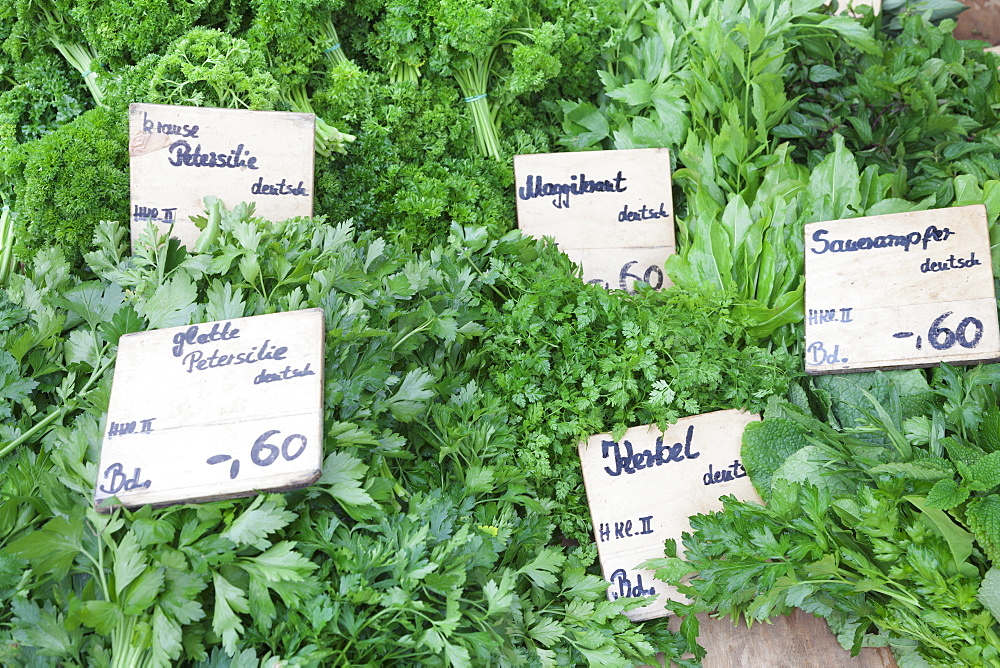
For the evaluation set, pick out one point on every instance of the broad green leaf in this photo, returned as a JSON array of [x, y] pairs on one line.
[[543, 569], [167, 647], [129, 562], [225, 622], [53, 548], [989, 592], [143, 592], [44, 629], [93, 301], [547, 632], [834, 186], [823, 73], [263, 517], [959, 540], [946, 494], [172, 303], [102, 616], [342, 475], [125, 321], [852, 31], [280, 563], [410, 399]]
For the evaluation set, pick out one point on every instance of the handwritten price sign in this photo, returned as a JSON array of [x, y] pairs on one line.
[[610, 211], [180, 154], [643, 488], [903, 290], [215, 410]]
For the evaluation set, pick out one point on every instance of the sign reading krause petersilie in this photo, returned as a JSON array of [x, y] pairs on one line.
[[180, 154], [643, 488], [215, 410], [901, 290], [609, 211]]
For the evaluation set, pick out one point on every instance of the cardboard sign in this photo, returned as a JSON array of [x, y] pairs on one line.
[[215, 411], [643, 488], [612, 212], [902, 290], [179, 154]]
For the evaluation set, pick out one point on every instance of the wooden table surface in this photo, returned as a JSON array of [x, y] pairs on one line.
[[796, 641]]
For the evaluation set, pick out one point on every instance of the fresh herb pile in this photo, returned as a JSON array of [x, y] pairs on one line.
[[465, 362]]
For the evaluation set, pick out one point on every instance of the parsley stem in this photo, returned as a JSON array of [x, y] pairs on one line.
[[60, 412]]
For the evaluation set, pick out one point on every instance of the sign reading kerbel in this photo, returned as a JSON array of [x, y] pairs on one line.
[[179, 154], [643, 488]]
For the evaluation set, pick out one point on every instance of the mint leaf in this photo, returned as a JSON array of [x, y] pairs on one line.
[[766, 446], [946, 494]]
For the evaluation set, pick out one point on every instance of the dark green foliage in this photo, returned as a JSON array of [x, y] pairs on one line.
[[125, 32], [423, 541], [925, 104], [206, 67], [72, 178], [413, 169]]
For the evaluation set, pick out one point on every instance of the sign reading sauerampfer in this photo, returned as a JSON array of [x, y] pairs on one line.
[[900, 290], [610, 211], [180, 154], [215, 410], [643, 488]]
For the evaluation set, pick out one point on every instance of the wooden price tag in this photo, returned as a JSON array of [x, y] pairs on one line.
[[609, 211], [902, 290], [179, 154], [643, 488], [214, 411]]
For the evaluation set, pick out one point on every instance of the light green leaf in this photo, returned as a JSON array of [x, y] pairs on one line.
[[410, 399], [172, 304], [342, 475], [823, 73], [989, 592], [280, 563], [543, 569], [228, 601], [166, 648], [129, 562], [263, 517], [143, 591]]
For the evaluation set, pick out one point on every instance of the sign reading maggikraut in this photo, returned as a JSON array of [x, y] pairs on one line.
[[610, 211]]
